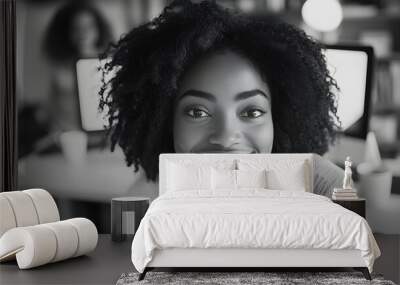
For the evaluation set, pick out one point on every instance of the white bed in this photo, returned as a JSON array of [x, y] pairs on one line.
[[250, 227]]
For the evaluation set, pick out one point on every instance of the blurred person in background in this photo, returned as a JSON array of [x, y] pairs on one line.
[[77, 30]]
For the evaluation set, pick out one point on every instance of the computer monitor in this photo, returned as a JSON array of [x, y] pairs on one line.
[[350, 66], [89, 79]]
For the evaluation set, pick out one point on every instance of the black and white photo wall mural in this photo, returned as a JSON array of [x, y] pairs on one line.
[[105, 87]]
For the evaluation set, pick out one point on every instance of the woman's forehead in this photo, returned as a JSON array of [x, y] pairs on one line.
[[221, 74]]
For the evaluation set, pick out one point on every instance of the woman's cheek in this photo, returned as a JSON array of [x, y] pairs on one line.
[[261, 136], [186, 136]]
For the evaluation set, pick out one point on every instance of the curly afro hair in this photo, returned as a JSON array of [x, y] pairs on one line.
[[150, 60]]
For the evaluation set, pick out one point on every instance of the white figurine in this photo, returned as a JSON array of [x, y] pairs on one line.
[[347, 180]]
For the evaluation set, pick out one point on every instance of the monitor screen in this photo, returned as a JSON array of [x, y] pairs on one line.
[[349, 66], [89, 83]]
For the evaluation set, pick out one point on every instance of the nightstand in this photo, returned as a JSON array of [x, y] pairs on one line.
[[126, 214], [356, 205]]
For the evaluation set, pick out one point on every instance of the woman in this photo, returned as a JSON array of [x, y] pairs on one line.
[[201, 79], [77, 30]]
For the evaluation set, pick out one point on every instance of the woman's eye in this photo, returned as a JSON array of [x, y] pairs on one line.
[[197, 113], [252, 113]]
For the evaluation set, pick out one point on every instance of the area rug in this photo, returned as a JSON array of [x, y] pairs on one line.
[[269, 278]]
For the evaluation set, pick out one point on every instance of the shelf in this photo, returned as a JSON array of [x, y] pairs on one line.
[[379, 17], [383, 110], [395, 55]]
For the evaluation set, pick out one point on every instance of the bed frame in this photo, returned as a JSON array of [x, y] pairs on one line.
[[248, 259], [235, 259]]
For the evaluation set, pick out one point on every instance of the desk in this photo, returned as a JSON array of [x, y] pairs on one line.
[[85, 190], [104, 175], [102, 266]]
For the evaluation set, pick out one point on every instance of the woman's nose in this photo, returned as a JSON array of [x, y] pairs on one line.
[[226, 133]]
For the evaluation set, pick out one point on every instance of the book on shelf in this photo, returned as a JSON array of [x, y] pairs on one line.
[[395, 75], [386, 92], [384, 82]]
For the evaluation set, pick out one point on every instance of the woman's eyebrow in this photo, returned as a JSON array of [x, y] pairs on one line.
[[208, 96], [246, 94], [197, 93]]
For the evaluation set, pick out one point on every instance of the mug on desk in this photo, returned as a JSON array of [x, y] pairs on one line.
[[375, 185], [74, 146]]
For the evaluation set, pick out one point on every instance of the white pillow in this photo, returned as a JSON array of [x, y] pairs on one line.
[[223, 179], [251, 178], [282, 174], [227, 179], [293, 180], [187, 177]]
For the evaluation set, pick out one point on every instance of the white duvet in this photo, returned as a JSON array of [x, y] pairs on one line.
[[250, 219]]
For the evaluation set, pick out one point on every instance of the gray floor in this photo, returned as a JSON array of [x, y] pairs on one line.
[[103, 266], [110, 260], [389, 262]]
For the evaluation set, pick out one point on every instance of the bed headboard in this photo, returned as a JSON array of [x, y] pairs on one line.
[[166, 157]]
